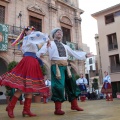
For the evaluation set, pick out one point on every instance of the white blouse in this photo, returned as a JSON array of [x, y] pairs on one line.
[[81, 81], [54, 55], [30, 41], [107, 79]]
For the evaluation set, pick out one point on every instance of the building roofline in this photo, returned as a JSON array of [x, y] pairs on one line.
[[73, 7], [104, 10]]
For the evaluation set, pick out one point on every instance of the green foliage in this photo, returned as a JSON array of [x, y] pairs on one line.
[[44, 70], [77, 76], [95, 84], [11, 65], [95, 80]]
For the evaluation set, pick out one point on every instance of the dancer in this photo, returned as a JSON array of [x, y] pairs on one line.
[[12, 91], [82, 83], [60, 73], [1, 93], [107, 88], [27, 76]]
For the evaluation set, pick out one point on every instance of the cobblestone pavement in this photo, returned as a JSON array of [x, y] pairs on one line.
[[93, 110]]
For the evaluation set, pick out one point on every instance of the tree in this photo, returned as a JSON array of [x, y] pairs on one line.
[[44, 70], [77, 76], [95, 84], [11, 65]]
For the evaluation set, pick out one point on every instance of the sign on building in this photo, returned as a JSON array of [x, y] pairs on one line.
[[3, 37]]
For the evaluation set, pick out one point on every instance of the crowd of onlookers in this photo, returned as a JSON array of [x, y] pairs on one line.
[[94, 96]]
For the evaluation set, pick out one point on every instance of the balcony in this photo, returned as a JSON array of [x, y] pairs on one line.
[[114, 69], [14, 30], [112, 47]]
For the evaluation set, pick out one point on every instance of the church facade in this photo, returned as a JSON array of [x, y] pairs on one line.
[[44, 15]]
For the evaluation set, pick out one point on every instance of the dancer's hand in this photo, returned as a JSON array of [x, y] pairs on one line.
[[42, 56], [89, 55], [48, 43]]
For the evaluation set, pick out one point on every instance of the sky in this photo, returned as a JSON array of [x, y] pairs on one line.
[[89, 24]]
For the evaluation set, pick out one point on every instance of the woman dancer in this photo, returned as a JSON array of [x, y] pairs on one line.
[[27, 76]]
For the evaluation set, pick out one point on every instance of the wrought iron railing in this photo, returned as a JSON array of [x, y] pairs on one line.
[[112, 46], [114, 69], [14, 30]]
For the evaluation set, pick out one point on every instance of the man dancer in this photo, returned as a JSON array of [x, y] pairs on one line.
[[60, 72]]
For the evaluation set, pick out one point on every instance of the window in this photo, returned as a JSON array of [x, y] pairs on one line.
[[109, 18], [117, 13], [112, 41], [37, 23], [114, 63], [66, 35], [90, 61], [2, 14], [91, 68]]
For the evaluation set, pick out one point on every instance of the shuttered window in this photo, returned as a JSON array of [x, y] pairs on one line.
[[2, 14]]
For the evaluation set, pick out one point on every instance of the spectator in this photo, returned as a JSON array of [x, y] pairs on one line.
[[107, 89]]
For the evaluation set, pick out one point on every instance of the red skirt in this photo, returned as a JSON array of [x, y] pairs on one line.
[[26, 76], [107, 89]]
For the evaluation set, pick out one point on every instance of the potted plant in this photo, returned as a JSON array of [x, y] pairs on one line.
[[11, 65]]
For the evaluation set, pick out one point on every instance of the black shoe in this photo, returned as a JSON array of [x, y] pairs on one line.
[[1, 93]]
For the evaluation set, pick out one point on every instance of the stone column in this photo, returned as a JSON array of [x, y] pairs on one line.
[[52, 15], [78, 29], [81, 66]]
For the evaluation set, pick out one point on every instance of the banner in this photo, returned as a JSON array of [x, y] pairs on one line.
[[3, 37]]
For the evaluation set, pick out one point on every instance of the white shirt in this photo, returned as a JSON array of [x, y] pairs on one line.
[[81, 81], [48, 83], [54, 55], [30, 41], [107, 79]]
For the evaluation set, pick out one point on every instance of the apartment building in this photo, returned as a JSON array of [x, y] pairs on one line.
[[108, 44]]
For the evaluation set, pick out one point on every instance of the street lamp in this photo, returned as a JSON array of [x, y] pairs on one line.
[[20, 16]]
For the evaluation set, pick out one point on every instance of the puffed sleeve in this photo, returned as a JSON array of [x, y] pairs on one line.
[[43, 50], [77, 81], [38, 37], [109, 79], [85, 81]]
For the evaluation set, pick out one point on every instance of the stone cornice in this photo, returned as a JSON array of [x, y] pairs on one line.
[[70, 6], [66, 20], [36, 8], [8, 1], [52, 7], [78, 20]]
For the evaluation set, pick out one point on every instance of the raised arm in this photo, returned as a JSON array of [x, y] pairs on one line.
[[38, 37], [77, 54]]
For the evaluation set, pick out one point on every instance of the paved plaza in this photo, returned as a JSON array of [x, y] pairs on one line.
[[93, 110]]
